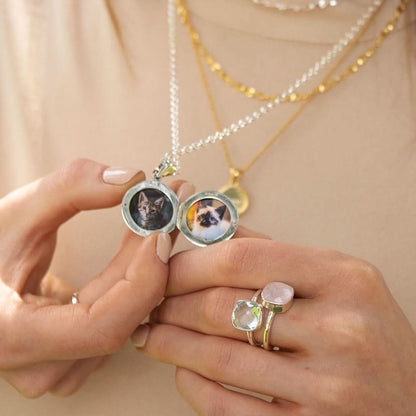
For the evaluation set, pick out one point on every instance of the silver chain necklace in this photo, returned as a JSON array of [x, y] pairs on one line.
[[206, 217], [170, 163], [307, 7]]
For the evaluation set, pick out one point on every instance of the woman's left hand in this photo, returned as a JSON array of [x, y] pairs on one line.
[[346, 347]]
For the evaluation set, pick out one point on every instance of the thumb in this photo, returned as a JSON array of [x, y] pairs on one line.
[[68, 332], [80, 185]]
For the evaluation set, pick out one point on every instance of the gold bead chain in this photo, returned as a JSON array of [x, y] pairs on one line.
[[251, 92], [359, 62], [324, 86]]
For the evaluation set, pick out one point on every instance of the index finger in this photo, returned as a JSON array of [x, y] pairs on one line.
[[251, 263], [45, 333]]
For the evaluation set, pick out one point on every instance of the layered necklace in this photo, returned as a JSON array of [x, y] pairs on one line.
[[210, 216], [234, 189]]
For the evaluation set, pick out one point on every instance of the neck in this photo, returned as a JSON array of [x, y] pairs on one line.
[[320, 26]]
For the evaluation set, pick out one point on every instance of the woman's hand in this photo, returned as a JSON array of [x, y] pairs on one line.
[[47, 343], [345, 346]]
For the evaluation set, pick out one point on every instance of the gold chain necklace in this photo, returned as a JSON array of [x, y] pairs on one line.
[[234, 190], [314, 70]]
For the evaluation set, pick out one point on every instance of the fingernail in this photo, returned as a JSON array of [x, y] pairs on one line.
[[140, 335], [163, 247], [185, 191], [120, 176]]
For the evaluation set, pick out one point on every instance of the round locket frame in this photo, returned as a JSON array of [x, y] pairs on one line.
[[185, 206], [179, 212], [132, 192]]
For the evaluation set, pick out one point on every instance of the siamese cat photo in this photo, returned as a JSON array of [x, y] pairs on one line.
[[209, 222]]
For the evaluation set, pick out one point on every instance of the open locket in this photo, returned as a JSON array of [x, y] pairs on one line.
[[204, 218]]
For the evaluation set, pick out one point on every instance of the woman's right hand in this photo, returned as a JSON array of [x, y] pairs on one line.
[[47, 343]]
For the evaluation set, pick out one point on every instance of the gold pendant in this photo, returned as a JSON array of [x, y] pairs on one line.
[[238, 195], [236, 192]]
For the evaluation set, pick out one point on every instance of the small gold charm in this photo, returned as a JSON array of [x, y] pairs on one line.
[[165, 168], [236, 192]]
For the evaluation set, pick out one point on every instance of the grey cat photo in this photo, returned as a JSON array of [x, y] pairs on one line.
[[151, 209]]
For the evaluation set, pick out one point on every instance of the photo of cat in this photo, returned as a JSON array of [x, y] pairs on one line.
[[208, 219], [151, 209]]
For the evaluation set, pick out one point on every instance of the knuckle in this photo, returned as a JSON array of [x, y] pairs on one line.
[[212, 403], [216, 405], [107, 342], [215, 306], [159, 344], [221, 354], [346, 329], [358, 277], [333, 393], [303, 411], [236, 257], [73, 171]]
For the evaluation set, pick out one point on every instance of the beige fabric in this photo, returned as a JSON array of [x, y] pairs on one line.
[[89, 78]]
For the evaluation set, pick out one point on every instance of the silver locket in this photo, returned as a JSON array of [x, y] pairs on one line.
[[205, 218]]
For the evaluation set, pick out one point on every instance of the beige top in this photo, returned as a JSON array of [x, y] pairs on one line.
[[90, 79]]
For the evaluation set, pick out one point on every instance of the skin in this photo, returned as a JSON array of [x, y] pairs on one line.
[[49, 344], [345, 345], [341, 176]]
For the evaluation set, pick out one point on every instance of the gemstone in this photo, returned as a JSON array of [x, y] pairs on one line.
[[247, 315], [277, 296]]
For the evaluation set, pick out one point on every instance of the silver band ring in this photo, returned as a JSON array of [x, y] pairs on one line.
[[250, 334], [75, 298]]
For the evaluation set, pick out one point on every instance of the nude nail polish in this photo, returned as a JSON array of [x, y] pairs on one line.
[[163, 247], [120, 176], [139, 336]]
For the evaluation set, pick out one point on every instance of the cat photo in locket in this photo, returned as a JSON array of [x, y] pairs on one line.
[[208, 219], [151, 209]]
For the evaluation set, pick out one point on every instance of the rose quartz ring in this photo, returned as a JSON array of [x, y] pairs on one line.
[[277, 297], [247, 316]]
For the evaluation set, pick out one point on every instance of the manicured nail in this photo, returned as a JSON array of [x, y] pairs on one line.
[[163, 247], [140, 335], [120, 176], [185, 191]]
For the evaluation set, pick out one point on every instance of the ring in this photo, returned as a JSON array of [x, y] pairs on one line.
[[250, 334], [277, 297], [75, 299], [247, 316]]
